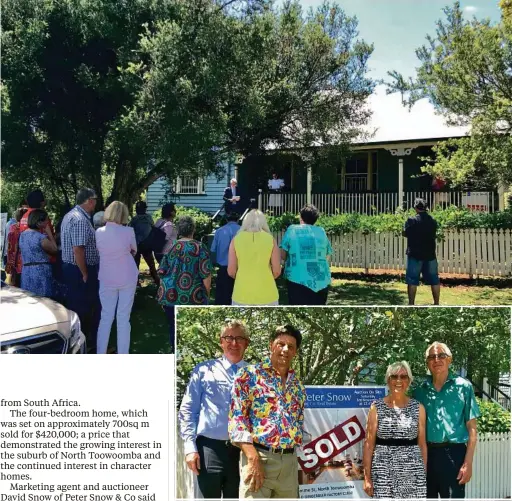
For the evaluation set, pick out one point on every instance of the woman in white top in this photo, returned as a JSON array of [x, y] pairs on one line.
[[118, 276]]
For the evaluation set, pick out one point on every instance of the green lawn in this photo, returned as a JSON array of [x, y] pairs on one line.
[[150, 332]]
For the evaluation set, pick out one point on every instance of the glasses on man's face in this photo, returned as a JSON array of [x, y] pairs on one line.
[[396, 377], [237, 339], [437, 356]]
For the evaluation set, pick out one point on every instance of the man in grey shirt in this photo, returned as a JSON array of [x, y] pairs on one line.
[[203, 417]]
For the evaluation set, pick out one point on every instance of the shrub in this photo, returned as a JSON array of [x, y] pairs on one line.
[[494, 418], [449, 218]]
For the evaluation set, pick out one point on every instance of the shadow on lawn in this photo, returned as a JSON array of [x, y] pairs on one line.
[[447, 280], [358, 294], [150, 330]]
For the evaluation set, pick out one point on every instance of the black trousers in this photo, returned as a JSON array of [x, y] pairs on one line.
[[224, 287], [84, 300], [443, 466], [219, 476], [300, 294]]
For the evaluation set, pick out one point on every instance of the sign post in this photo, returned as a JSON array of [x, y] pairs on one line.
[[331, 459]]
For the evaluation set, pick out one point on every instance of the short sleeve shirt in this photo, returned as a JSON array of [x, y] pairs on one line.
[[182, 272], [222, 240], [307, 247], [77, 231], [420, 231], [448, 410]]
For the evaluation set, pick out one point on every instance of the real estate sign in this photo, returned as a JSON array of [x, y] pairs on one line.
[[331, 459]]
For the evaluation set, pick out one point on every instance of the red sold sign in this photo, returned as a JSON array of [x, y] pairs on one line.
[[330, 444]]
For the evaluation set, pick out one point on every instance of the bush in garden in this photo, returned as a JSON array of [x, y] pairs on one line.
[[494, 418], [449, 218]]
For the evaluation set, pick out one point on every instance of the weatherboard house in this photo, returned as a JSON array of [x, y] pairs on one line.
[[379, 174]]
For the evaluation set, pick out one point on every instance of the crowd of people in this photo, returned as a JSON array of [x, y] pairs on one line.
[[242, 425], [91, 263]]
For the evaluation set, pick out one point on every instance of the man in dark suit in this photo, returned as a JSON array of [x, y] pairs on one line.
[[232, 200]]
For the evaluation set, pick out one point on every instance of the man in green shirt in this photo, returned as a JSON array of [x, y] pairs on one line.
[[451, 411]]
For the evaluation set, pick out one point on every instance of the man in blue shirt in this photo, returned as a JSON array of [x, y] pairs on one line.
[[203, 417], [452, 411], [220, 245]]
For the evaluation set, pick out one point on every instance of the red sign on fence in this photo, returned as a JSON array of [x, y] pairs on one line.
[[330, 444]]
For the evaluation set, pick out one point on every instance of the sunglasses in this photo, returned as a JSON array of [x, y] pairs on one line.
[[440, 356], [396, 377], [237, 339]]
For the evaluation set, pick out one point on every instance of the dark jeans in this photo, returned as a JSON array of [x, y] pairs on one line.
[[219, 475], [300, 294], [169, 313], [443, 466], [224, 287], [83, 298]]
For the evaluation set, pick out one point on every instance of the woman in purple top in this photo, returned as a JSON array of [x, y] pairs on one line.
[[118, 276], [166, 224]]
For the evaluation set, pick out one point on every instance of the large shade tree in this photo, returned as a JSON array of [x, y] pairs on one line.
[[350, 346], [466, 72], [139, 89]]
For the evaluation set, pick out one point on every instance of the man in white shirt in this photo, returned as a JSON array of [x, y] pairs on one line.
[[275, 199]]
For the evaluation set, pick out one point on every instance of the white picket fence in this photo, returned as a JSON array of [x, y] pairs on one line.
[[474, 252], [491, 469], [375, 203]]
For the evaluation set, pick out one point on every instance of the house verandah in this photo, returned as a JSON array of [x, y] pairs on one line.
[[377, 177]]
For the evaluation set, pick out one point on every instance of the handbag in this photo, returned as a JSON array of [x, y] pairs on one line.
[[155, 241]]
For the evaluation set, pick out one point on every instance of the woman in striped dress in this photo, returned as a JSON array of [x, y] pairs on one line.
[[395, 452]]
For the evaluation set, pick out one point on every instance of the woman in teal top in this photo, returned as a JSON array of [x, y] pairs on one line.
[[306, 251]]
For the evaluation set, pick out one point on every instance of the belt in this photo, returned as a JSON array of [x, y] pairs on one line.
[[397, 442], [36, 264], [218, 441], [442, 444], [274, 450]]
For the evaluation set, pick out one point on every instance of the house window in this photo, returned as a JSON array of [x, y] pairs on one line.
[[354, 177], [189, 185]]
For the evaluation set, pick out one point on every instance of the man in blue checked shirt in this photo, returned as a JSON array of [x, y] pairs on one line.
[[203, 417]]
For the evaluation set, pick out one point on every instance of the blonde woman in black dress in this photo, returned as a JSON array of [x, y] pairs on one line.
[[395, 451]]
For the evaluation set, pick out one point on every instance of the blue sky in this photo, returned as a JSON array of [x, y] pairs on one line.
[[397, 28]]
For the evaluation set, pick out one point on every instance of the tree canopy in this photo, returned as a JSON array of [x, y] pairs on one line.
[[135, 90], [465, 72], [351, 346]]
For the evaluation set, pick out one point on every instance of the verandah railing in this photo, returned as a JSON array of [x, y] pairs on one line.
[[473, 252], [376, 203]]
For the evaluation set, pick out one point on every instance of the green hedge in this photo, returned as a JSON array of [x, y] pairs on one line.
[[494, 418], [450, 218]]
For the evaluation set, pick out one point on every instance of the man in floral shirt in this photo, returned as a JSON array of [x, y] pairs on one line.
[[266, 420]]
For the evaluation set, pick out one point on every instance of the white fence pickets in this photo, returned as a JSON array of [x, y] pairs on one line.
[[475, 252], [375, 203], [491, 468]]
